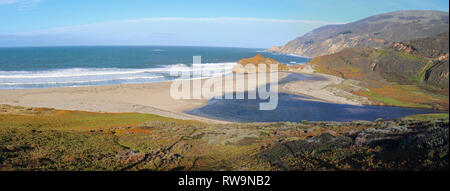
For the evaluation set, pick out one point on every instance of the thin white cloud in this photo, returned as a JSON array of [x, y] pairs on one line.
[[214, 31], [29, 4], [61, 30], [218, 19], [196, 31], [22, 4], [4, 2]]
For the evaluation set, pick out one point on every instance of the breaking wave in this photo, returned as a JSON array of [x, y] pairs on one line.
[[71, 77]]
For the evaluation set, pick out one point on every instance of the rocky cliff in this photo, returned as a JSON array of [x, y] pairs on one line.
[[250, 65], [376, 31]]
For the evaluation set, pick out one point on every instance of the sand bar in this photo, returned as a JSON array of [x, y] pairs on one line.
[[151, 98]]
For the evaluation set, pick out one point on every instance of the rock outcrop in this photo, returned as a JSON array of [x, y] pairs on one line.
[[410, 144], [250, 65], [375, 31]]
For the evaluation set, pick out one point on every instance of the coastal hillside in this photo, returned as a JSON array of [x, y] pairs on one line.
[[376, 31], [413, 73], [50, 140]]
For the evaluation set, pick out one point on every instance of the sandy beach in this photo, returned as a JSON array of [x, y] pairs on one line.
[[326, 90], [151, 98]]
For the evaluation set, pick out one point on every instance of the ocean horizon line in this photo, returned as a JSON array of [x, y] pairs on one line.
[[135, 45]]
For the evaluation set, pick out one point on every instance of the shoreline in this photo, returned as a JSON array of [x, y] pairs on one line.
[[319, 90], [154, 98], [324, 89], [121, 98]]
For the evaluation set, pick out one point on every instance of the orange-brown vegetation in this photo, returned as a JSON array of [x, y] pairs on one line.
[[242, 65]]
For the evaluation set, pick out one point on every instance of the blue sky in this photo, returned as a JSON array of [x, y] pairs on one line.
[[239, 23]]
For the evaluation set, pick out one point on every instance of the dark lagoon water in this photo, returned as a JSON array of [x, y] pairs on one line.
[[43, 67], [294, 108], [290, 108]]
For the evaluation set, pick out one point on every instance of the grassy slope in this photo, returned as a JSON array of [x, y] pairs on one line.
[[384, 73], [45, 139], [428, 116]]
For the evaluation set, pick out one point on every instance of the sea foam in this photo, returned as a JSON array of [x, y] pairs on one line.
[[72, 77]]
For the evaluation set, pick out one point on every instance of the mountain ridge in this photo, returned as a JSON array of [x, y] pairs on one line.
[[375, 31]]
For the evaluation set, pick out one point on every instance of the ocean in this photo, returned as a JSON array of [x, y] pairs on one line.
[[47, 67]]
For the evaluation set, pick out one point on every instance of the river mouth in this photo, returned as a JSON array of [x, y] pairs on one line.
[[295, 108]]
